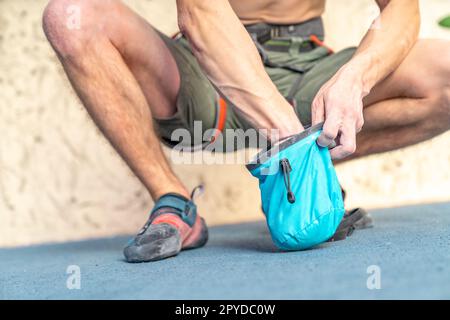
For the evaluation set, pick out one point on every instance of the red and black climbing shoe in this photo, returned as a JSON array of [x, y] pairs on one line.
[[173, 226]]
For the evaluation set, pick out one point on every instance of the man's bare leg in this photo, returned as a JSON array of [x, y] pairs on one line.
[[411, 105], [125, 75], [398, 123], [95, 60]]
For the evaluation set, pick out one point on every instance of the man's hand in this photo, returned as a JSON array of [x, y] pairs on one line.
[[339, 104], [339, 101]]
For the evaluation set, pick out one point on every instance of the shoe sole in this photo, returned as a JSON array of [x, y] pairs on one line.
[[162, 242]]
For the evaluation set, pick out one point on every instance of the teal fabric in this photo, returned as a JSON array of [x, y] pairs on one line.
[[318, 207]]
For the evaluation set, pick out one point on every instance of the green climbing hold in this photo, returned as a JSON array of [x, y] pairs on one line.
[[445, 22]]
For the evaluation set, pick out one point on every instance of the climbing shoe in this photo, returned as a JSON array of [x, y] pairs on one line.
[[353, 219], [173, 226]]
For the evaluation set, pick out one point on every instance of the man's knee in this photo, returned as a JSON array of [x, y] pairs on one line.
[[69, 24], [61, 22]]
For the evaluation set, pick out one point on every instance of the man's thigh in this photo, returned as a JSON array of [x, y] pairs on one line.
[[424, 73], [112, 22]]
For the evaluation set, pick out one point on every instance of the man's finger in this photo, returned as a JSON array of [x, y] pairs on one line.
[[318, 110], [329, 132], [347, 145]]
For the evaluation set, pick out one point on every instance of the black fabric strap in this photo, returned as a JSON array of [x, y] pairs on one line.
[[264, 31]]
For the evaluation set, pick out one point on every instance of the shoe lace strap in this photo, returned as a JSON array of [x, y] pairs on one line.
[[174, 203]]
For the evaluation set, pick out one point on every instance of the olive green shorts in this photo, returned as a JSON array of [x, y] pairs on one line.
[[197, 98]]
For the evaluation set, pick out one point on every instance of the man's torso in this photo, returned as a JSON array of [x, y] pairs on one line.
[[277, 11]]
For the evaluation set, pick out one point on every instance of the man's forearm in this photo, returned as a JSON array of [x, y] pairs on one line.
[[230, 60], [387, 42]]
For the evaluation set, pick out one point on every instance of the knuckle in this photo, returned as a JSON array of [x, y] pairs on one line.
[[328, 134]]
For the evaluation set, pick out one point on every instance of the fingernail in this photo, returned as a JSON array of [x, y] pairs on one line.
[[319, 144]]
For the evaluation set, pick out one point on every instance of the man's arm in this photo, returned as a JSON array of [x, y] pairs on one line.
[[229, 58], [385, 45]]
